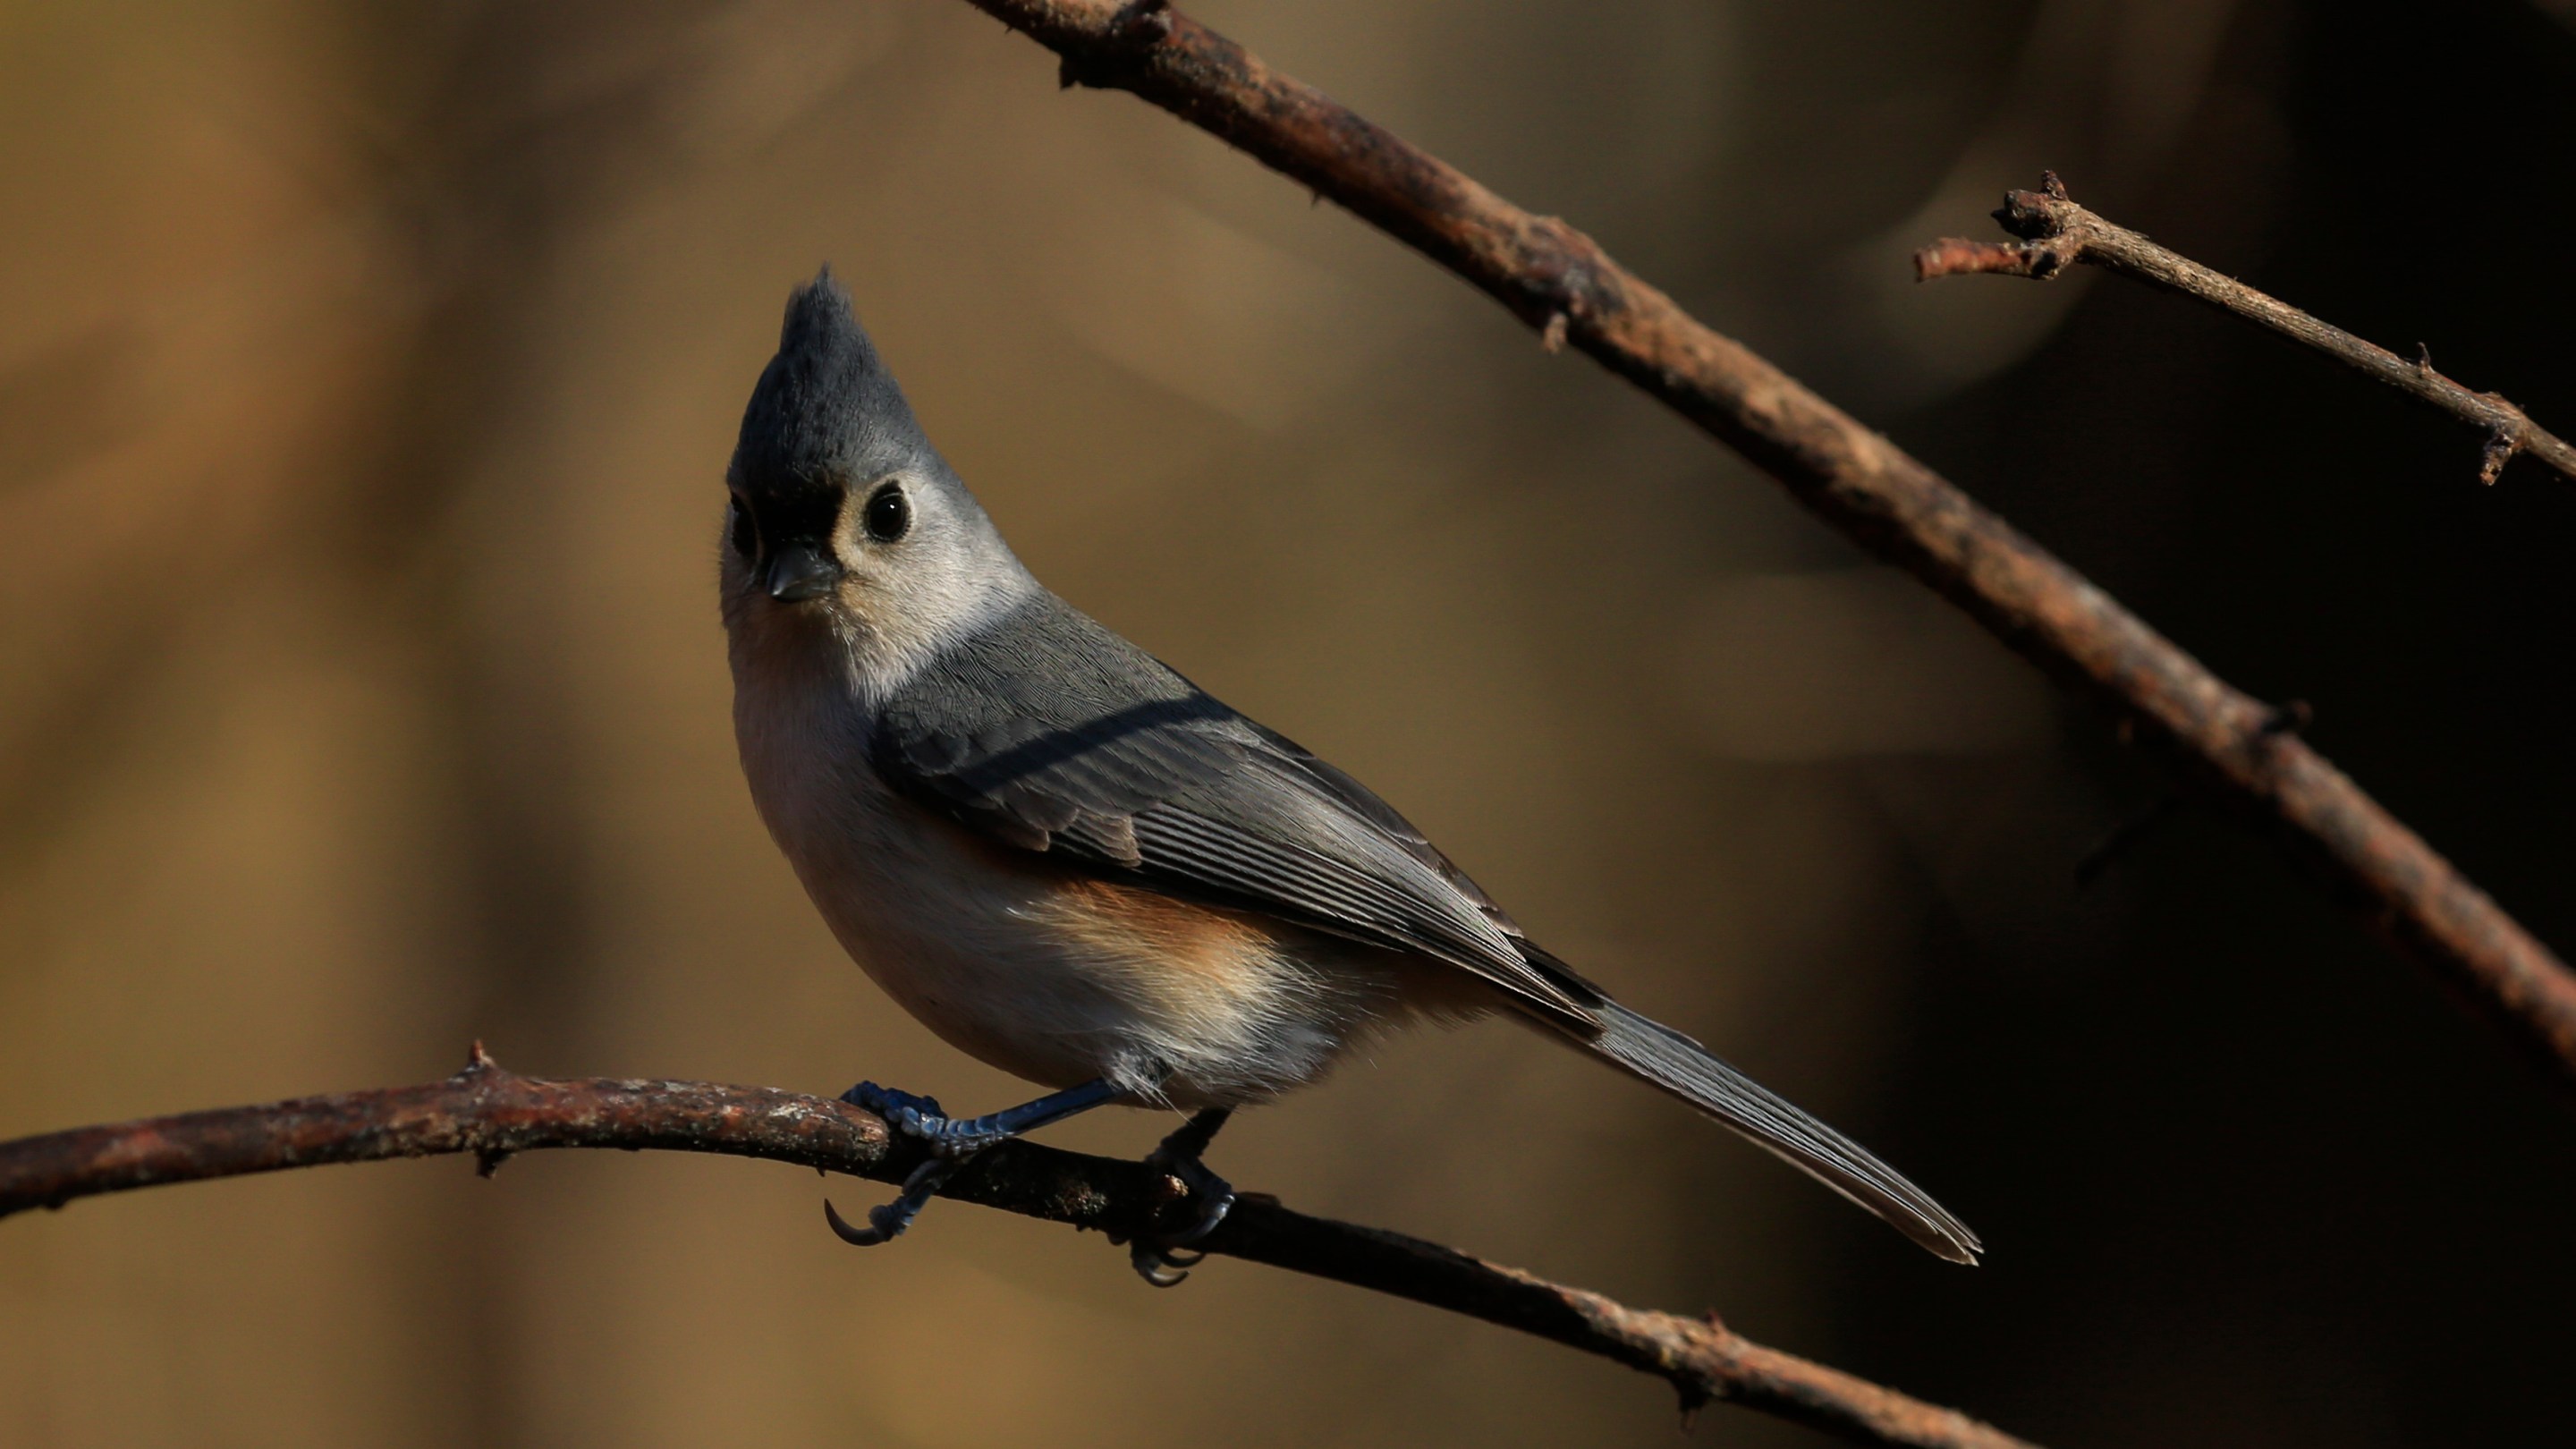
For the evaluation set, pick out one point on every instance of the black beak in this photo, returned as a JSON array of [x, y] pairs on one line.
[[800, 571]]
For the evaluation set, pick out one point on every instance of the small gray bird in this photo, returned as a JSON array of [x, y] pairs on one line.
[[1072, 863]]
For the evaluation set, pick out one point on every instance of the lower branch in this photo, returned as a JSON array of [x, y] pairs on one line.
[[2056, 232], [493, 1113]]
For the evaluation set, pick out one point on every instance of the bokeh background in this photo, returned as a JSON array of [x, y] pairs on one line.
[[367, 372]]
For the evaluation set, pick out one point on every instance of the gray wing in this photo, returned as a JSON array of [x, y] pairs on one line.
[[1056, 735]]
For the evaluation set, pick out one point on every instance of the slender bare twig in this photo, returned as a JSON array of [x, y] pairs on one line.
[[1560, 282], [2056, 232], [493, 1113]]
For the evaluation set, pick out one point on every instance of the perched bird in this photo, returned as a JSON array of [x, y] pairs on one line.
[[1074, 864]]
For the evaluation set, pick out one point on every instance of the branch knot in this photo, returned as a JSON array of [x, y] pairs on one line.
[[1130, 34]]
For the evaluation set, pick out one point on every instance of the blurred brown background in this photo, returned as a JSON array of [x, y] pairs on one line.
[[366, 377]]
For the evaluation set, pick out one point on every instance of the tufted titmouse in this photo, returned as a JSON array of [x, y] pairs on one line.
[[1072, 863]]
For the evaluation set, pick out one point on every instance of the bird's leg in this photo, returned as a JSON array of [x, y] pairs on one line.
[[952, 1142], [1166, 1261]]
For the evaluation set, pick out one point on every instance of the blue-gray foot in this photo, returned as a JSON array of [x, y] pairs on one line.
[[952, 1143], [1167, 1260]]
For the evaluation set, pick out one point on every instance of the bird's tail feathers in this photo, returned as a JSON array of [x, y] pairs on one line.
[[1689, 1071]]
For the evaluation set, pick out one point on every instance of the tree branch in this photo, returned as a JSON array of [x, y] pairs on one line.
[[1562, 283], [2056, 232], [493, 1113]]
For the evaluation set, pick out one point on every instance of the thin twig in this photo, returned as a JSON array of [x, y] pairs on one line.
[[1560, 282], [2056, 232], [493, 1113]]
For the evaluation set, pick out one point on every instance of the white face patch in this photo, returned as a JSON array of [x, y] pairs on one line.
[[904, 599], [904, 594]]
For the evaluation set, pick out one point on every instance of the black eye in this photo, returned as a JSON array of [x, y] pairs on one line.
[[889, 514], [739, 530]]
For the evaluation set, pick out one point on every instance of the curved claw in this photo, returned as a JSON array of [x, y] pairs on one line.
[[867, 1237], [1165, 1262], [1156, 1265], [886, 1223]]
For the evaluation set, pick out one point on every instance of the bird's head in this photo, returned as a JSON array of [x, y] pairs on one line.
[[843, 522]]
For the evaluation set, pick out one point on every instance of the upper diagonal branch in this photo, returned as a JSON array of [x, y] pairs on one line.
[[1560, 281], [2056, 232], [492, 1113]]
